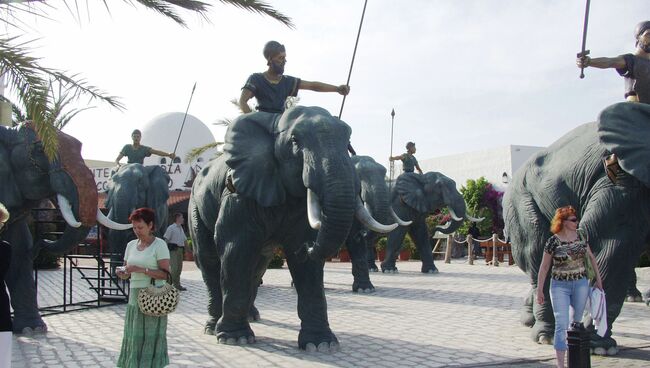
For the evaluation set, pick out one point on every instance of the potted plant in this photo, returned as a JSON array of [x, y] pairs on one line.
[[189, 252], [407, 246], [381, 248], [277, 261], [344, 255]]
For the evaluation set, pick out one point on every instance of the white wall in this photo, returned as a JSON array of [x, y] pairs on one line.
[[490, 163]]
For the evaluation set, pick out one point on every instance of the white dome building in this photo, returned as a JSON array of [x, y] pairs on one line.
[[161, 134]]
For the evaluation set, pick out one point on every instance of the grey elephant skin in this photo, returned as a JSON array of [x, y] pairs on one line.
[[614, 217], [375, 196], [414, 197], [253, 198], [27, 177], [134, 186]]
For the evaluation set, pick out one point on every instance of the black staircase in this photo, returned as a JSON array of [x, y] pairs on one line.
[[87, 262]]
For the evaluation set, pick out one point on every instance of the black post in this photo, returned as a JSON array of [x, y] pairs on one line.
[[579, 354]]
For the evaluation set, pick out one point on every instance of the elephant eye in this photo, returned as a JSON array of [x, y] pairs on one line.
[[294, 140]]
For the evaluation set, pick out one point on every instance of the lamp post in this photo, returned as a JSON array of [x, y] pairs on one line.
[[392, 163]]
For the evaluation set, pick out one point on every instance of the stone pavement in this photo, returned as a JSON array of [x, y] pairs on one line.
[[465, 316]]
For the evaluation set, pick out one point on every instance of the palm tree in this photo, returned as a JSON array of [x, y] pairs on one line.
[[35, 84]]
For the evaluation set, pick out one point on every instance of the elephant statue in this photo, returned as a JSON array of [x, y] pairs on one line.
[[374, 195], [26, 178], [284, 179], [414, 197], [614, 212], [135, 186]]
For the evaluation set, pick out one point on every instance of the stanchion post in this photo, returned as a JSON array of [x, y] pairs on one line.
[[450, 243], [495, 260], [470, 253], [579, 346]]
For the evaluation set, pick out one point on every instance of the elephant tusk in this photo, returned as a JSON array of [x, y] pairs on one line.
[[367, 207], [443, 227], [399, 220], [368, 221], [474, 219], [102, 219], [313, 210], [66, 211], [453, 215]]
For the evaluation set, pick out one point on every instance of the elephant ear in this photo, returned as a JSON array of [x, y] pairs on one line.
[[410, 188], [157, 193], [623, 129], [249, 152]]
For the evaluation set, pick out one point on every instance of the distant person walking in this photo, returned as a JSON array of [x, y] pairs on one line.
[[135, 152], [409, 162], [569, 289], [475, 233], [144, 343], [634, 67], [176, 242], [5, 310]]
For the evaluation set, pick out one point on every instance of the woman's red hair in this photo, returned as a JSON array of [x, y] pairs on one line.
[[561, 214], [143, 214]]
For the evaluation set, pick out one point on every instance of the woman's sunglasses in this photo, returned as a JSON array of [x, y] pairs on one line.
[[572, 219]]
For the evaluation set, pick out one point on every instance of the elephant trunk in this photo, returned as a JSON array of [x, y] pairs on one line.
[[338, 205]]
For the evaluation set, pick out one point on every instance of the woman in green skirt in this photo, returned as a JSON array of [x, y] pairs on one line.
[[144, 343]]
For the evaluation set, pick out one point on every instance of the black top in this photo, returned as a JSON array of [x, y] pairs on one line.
[[637, 77], [5, 312], [270, 96]]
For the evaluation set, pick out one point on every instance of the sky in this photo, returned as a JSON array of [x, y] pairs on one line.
[[462, 75]]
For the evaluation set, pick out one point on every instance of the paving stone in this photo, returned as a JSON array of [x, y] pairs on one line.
[[464, 316]]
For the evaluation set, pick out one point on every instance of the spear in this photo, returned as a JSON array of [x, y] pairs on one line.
[[182, 125]]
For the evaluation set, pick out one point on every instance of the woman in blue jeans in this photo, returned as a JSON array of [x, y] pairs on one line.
[[569, 284]]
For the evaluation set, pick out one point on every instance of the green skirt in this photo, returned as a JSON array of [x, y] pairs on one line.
[[144, 343]]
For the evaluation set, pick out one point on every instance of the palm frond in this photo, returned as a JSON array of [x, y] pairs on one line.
[[262, 8], [195, 153], [31, 84]]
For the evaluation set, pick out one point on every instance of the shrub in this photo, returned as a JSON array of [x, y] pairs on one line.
[[277, 261]]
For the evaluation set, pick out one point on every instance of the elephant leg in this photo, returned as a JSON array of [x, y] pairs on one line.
[[356, 244], [393, 245], [20, 280], [633, 294], [265, 258], [621, 255], [543, 321], [315, 332], [419, 234], [239, 240], [371, 251]]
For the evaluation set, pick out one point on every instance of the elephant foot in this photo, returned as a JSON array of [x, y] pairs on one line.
[[372, 267], [210, 326], [323, 342], [364, 287], [527, 318], [646, 297], [634, 296], [603, 345], [389, 269], [35, 326], [430, 269], [542, 332], [253, 314], [242, 336]]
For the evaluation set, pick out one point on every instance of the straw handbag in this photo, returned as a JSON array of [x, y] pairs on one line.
[[158, 301]]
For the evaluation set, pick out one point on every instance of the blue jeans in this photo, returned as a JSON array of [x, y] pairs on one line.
[[566, 294]]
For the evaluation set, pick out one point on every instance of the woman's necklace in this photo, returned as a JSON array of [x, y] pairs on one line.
[[143, 245]]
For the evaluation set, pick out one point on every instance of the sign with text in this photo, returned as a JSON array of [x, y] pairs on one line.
[[181, 175]]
